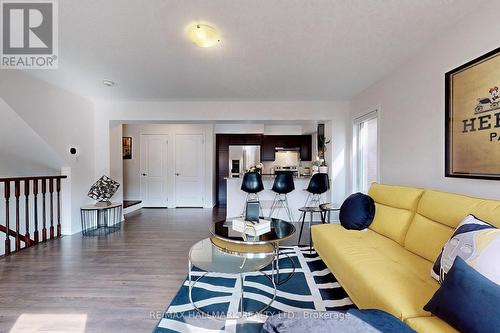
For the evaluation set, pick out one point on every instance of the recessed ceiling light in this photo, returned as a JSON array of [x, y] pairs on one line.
[[203, 35], [108, 83]]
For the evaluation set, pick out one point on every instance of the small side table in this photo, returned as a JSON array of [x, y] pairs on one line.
[[100, 220], [328, 209], [304, 211]]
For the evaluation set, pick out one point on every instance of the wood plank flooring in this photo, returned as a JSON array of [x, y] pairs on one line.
[[113, 283]]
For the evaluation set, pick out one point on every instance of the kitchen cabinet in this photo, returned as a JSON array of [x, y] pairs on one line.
[[271, 142], [267, 149], [306, 147]]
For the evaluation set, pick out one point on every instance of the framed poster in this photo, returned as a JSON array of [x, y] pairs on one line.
[[473, 118], [127, 147]]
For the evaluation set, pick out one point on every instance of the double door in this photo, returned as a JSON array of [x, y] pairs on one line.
[[172, 175]]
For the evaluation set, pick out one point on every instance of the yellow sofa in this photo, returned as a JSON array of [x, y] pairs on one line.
[[388, 265]]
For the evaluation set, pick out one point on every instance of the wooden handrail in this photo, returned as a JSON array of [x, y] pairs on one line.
[[16, 188], [12, 179], [12, 233]]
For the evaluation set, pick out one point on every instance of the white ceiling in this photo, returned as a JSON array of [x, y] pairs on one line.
[[270, 49]]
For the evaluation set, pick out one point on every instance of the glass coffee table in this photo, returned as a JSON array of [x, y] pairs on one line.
[[280, 231], [214, 255]]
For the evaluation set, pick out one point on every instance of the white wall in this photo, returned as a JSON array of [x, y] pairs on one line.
[[412, 125], [337, 157], [22, 151], [261, 128], [227, 111], [282, 129], [62, 120], [131, 168], [239, 128], [116, 165]]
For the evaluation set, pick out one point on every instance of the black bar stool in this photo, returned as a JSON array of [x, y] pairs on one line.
[[252, 185], [283, 184], [318, 185]]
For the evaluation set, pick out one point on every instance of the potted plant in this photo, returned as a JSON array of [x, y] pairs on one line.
[[315, 166], [322, 142], [256, 168]]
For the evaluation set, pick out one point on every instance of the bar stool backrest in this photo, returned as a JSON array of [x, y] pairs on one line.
[[252, 182], [319, 183], [283, 183]]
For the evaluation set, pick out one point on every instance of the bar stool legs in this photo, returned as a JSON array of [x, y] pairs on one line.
[[281, 201], [313, 200], [290, 214]]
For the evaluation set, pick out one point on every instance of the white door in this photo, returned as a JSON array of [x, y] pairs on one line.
[[154, 170], [189, 170]]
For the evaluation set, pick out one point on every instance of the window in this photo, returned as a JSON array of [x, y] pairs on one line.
[[365, 151]]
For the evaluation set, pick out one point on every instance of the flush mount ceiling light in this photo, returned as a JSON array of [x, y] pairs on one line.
[[108, 83], [203, 35]]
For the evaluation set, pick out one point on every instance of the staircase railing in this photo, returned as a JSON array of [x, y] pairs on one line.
[[27, 216]]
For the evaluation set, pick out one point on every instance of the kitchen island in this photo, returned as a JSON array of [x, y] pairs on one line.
[[236, 197]]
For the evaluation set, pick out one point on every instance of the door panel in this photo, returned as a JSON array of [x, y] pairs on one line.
[[189, 170], [154, 170]]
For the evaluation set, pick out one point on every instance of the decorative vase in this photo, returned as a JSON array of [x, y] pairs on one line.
[[315, 169]]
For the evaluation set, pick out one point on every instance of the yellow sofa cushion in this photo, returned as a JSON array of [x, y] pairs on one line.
[[396, 196], [450, 209], [426, 237], [391, 222], [376, 271], [395, 207], [429, 325], [438, 214]]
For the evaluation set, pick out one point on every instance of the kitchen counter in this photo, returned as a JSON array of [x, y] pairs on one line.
[[296, 199], [267, 176]]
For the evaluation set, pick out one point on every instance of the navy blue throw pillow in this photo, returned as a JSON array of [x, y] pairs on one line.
[[357, 212], [467, 300]]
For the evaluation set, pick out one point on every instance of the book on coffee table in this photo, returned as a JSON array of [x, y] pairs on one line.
[[252, 228]]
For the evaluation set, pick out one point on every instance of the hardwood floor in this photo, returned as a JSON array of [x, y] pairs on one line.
[[115, 282]]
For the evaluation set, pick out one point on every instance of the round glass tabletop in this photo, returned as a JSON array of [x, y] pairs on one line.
[[208, 257], [328, 206], [280, 230]]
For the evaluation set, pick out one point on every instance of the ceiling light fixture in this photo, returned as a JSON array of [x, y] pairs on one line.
[[203, 35], [108, 83]]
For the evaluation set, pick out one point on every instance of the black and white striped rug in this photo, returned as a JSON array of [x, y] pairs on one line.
[[312, 288]]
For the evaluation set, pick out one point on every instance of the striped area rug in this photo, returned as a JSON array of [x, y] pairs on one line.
[[311, 288]]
